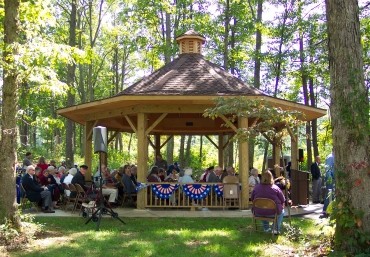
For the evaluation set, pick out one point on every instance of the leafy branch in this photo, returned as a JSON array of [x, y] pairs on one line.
[[263, 118]]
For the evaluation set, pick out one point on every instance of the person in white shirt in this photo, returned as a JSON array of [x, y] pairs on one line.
[[187, 177], [69, 178], [254, 179]]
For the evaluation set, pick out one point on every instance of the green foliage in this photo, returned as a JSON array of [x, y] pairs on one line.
[[267, 119], [14, 239]]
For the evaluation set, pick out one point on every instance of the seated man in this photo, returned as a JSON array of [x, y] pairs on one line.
[[79, 178], [109, 186], [35, 192], [129, 188]]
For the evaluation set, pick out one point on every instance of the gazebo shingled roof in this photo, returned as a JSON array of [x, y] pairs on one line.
[[191, 74]]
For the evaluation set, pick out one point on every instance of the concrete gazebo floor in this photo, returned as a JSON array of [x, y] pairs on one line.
[[307, 211]]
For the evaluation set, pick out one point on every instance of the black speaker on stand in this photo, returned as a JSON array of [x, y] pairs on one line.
[[100, 146]]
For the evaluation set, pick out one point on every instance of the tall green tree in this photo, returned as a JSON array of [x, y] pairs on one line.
[[349, 110], [8, 140]]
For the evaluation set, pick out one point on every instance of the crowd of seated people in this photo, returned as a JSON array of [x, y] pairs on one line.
[[124, 179]]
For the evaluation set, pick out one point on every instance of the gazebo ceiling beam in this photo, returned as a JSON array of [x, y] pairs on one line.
[[165, 142], [147, 109], [91, 130], [210, 140], [228, 122], [228, 141], [155, 123], [131, 123]]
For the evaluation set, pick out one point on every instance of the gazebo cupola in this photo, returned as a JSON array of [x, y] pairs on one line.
[[190, 42]]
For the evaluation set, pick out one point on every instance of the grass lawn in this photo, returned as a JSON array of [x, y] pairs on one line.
[[191, 237]]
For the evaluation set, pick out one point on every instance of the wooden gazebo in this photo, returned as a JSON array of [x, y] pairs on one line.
[[171, 101]]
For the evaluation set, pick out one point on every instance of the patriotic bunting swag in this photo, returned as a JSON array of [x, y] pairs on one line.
[[219, 189], [196, 191], [164, 191], [140, 186]]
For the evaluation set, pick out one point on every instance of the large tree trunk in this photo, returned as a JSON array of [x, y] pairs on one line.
[[70, 82], [8, 141], [349, 111]]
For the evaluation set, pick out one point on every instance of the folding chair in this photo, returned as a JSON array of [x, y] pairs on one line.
[[25, 200], [231, 194], [66, 197], [230, 179], [81, 196], [265, 204], [130, 198], [73, 197]]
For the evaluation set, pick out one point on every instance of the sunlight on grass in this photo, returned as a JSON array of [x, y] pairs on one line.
[[213, 233], [176, 232], [146, 237]]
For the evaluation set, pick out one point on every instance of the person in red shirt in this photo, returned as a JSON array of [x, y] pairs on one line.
[[43, 165]]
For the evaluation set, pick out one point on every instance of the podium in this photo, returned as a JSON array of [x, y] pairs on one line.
[[299, 192]]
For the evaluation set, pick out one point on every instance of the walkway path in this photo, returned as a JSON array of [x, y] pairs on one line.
[[307, 211]]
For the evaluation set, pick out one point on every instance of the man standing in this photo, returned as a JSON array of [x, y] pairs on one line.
[[316, 180], [27, 160], [160, 163], [329, 183], [35, 192], [215, 175]]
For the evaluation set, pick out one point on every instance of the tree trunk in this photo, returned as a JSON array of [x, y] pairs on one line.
[[188, 152], [306, 98], [226, 35], [70, 82], [315, 146], [8, 141], [201, 151], [349, 111], [257, 54], [181, 152], [265, 154], [230, 153], [169, 147]]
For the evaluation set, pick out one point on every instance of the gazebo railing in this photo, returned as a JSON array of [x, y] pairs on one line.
[[193, 195]]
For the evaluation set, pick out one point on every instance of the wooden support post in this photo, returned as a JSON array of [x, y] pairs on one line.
[[142, 157], [244, 165]]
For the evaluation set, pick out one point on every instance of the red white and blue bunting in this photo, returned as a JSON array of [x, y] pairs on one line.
[[219, 189], [196, 191], [140, 186], [164, 191]]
